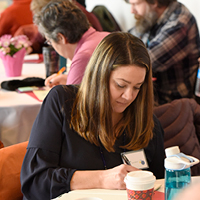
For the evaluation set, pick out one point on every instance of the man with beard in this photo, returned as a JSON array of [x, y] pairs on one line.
[[171, 35]]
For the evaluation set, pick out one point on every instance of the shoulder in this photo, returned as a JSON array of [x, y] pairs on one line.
[[89, 42], [61, 93], [93, 36], [180, 17]]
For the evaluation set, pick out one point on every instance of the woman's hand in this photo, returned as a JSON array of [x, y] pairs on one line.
[[114, 178], [55, 79], [101, 179]]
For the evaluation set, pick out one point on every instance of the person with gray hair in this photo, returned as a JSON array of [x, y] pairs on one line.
[[67, 29], [170, 32]]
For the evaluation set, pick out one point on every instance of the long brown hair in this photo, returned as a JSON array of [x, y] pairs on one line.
[[91, 114]]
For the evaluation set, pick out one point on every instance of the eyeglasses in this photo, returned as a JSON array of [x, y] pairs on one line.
[[47, 42]]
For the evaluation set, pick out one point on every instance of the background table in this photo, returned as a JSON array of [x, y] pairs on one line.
[[18, 110]]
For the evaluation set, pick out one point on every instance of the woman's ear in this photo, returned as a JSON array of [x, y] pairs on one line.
[[62, 39]]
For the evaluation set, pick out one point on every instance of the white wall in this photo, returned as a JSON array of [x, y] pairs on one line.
[[121, 10]]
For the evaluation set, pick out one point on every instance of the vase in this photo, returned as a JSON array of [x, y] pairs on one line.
[[13, 64]]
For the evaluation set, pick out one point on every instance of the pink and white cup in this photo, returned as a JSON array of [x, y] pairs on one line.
[[140, 185]]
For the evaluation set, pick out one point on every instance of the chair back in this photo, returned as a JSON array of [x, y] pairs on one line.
[[11, 159]]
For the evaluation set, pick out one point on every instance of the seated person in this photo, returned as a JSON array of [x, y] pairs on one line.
[[67, 29], [37, 5], [80, 132], [14, 16], [32, 32], [171, 35]]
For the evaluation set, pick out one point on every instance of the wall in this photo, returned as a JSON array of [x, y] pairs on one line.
[[121, 10]]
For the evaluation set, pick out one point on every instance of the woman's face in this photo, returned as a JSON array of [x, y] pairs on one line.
[[125, 83], [59, 46]]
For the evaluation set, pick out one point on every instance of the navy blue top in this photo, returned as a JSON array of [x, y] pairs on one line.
[[55, 151]]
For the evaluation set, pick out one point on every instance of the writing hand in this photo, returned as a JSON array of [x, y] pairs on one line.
[[56, 79]]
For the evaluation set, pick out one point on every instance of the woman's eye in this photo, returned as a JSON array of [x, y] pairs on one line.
[[137, 88], [120, 86]]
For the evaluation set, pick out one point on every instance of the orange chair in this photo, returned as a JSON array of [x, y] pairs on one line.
[[11, 159]]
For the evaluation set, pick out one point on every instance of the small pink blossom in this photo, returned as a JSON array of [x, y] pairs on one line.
[[10, 45]]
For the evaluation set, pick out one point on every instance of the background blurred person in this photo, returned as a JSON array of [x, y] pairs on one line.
[[14, 16], [80, 132], [171, 35]]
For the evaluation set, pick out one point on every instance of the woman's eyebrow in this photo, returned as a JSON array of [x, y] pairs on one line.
[[130, 82], [124, 80]]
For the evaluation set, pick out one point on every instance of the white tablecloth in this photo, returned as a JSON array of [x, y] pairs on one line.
[[103, 194], [18, 110]]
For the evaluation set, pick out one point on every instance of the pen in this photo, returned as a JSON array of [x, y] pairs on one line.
[[61, 70], [126, 160]]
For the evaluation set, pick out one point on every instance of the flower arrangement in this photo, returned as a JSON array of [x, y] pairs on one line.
[[10, 45]]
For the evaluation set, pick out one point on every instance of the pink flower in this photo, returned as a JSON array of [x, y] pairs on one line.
[[5, 50], [5, 40], [10, 45]]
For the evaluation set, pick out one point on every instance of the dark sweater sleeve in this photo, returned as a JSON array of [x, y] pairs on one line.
[[41, 175]]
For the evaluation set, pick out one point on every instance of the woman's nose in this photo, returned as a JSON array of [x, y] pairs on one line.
[[128, 94]]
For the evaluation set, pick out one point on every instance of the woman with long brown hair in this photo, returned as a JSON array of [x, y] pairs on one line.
[[81, 132]]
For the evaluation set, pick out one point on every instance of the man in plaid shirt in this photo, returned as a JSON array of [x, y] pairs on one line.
[[171, 35]]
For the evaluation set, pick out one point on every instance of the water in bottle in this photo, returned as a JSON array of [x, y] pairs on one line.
[[175, 181]]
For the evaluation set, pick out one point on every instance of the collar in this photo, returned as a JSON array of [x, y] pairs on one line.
[[167, 13]]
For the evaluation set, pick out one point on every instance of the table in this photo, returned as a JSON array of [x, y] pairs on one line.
[[102, 194], [18, 110]]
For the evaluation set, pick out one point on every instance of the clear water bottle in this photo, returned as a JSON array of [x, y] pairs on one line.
[[177, 171]]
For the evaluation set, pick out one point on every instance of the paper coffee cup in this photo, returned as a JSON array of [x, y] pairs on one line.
[[140, 185]]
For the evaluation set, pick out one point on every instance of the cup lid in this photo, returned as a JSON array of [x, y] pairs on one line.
[[140, 176], [140, 180]]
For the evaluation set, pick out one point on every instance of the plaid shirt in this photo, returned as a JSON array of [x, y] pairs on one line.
[[174, 47]]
